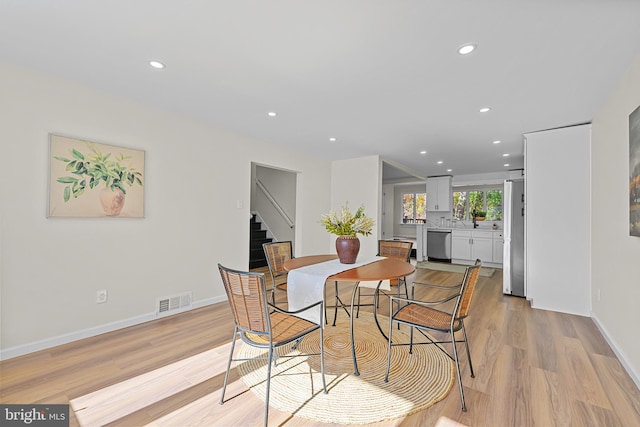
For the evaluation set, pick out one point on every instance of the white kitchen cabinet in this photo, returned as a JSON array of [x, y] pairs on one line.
[[482, 246], [439, 194], [469, 245], [461, 244]]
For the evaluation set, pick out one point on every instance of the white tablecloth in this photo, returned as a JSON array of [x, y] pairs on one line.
[[305, 285]]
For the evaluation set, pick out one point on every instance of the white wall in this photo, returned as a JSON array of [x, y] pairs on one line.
[[557, 200], [358, 182], [195, 174], [615, 255], [388, 211]]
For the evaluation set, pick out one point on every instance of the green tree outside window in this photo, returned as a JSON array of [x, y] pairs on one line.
[[489, 201], [414, 208], [476, 201], [494, 205], [460, 205]]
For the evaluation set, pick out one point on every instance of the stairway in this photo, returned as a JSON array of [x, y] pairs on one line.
[[257, 236]]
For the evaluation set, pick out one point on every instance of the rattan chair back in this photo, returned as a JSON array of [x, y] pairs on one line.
[[247, 297], [277, 253], [471, 275], [395, 249]]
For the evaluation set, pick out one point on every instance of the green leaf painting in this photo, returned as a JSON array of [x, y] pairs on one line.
[[97, 167], [82, 169]]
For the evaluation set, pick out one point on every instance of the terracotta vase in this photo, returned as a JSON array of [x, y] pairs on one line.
[[112, 201], [347, 248]]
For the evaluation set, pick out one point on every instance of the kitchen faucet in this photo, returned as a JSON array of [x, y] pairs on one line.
[[475, 224]]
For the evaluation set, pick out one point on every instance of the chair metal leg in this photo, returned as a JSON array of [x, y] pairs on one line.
[[455, 356], [466, 343], [339, 304], [386, 376], [297, 343], [324, 305], [358, 310], [356, 372], [273, 288], [226, 375], [324, 383], [410, 339], [266, 398], [405, 290]]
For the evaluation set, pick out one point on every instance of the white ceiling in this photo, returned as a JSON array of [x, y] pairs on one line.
[[382, 76]]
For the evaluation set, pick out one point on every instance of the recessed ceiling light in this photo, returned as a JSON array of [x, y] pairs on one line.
[[506, 165], [157, 64], [440, 162], [449, 170], [272, 114], [497, 141], [485, 109], [332, 139], [466, 49], [505, 155], [423, 152]]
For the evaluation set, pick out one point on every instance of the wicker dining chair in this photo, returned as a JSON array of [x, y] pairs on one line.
[[391, 249], [431, 316], [277, 253], [263, 325]]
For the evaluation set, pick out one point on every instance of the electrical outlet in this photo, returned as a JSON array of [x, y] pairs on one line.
[[101, 296]]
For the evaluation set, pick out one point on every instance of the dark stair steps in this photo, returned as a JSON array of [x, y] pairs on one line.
[[257, 237]]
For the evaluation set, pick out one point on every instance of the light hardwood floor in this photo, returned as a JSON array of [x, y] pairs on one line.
[[532, 367]]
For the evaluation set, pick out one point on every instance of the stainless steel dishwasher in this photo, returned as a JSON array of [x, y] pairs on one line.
[[439, 245]]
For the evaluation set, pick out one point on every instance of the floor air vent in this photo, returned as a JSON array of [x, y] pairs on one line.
[[173, 304]]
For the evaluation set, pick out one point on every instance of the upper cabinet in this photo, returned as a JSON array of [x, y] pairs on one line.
[[439, 194]]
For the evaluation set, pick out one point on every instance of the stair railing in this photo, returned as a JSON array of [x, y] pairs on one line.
[[275, 203]]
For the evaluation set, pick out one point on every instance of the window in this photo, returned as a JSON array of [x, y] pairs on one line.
[[414, 208], [494, 205], [487, 200]]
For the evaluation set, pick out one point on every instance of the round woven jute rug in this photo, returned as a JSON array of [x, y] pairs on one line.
[[416, 381]]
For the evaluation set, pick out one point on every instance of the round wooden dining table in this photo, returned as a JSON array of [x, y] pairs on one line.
[[378, 270]]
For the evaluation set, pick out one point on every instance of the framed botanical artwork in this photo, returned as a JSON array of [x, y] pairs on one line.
[[89, 179], [634, 173]]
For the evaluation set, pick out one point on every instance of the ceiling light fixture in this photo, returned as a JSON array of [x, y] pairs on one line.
[[157, 64], [497, 141], [440, 162], [506, 165], [466, 49], [449, 170], [485, 109], [332, 139], [272, 114], [423, 152], [505, 155]]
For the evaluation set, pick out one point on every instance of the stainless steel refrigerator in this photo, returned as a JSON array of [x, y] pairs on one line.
[[513, 234]]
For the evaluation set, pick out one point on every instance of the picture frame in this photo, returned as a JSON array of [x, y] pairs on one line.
[[634, 173], [94, 180]]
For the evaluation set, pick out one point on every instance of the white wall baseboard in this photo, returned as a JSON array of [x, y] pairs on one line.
[[21, 350], [619, 353]]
